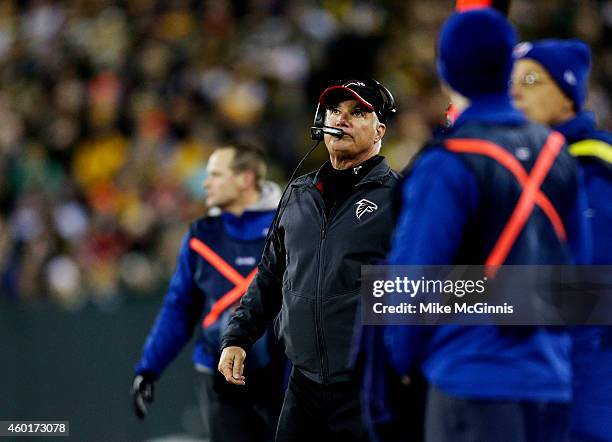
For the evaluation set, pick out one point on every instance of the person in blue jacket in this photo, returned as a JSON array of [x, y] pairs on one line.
[[486, 383], [217, 259], [550, 83]]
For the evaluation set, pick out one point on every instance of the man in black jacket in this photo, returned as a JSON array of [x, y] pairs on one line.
[[331, 222]]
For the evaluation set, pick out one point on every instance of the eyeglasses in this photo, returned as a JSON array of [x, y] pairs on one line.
[[529, 79]]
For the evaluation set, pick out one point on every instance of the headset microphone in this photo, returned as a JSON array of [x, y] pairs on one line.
[[317, 132]]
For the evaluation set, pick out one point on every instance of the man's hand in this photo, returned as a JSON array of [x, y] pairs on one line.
[[231, 365], [142, 393]]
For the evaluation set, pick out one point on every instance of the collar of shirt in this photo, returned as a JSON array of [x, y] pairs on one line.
[[582, 127], [350, 176], [491, 108], [353, 174], [339, 184]]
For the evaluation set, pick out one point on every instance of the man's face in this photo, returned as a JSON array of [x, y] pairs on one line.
[[537, 95], [361, 129], [222, 184]]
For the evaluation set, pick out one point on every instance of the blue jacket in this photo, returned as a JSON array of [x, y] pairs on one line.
[[196, 286], [592, 346], [597, 171], [479, 362]]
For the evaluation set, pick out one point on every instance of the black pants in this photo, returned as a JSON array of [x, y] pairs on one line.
[[455, 419], [320, 413], [237, 413]]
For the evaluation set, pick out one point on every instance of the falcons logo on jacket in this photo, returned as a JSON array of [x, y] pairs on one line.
[[364, 206]]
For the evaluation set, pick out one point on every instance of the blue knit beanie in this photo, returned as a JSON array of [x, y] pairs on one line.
[[567, 61], [475, 52]]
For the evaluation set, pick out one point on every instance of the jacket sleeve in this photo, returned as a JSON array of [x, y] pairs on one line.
[[262, 300], [177, 318], [441, 188]]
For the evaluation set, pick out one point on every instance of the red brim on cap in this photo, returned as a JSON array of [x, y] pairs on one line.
[[350, 91]]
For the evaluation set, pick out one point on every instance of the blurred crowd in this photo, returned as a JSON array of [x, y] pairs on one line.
[[109, 110]]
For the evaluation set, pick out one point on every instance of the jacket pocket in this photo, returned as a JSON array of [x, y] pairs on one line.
[[339, 319], [297, 330]]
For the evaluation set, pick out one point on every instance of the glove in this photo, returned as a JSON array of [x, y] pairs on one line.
[[142, 392]]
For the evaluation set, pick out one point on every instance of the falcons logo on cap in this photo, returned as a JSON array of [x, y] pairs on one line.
[[364, 206]]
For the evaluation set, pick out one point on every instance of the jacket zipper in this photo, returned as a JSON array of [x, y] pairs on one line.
[[319, 305], [324, 362]]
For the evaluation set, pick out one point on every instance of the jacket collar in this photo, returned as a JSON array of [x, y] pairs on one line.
[[582, 127], [250, 226], [376, 175], [491, 108]]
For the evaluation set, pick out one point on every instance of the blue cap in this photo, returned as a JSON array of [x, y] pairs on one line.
[[475, 52], [567, 61]]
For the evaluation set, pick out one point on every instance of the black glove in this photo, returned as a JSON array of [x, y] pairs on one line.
[[142, 392]]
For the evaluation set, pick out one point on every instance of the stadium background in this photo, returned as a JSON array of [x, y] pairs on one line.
[[108, 111]]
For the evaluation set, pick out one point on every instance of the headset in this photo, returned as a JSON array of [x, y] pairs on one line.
[[319, 128]]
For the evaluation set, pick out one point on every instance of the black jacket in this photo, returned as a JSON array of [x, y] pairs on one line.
[[310, 272]]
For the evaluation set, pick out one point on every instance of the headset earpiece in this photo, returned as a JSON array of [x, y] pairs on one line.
[[316, 131]]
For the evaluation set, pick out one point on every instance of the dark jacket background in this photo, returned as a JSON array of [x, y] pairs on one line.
[[310, 274]]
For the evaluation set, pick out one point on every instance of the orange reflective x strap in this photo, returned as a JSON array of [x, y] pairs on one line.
[[227, 300], [530, 196], [502, 6], [465, 5], [241, 283]]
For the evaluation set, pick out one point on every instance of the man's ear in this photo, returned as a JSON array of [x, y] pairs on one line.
[[246, 179], [460, 103], [380, 132]]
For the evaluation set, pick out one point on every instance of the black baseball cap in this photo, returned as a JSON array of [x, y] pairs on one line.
[[367, 92]]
